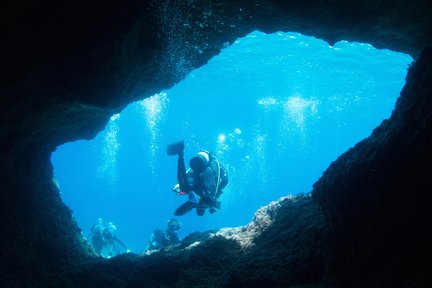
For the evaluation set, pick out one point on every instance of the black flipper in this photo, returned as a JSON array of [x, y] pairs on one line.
[[184, 208], [175, 148]]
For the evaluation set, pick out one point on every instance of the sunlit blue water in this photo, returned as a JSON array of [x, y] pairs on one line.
[[276, 109]]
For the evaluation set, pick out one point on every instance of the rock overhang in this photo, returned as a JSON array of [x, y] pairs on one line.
[[66, 77]]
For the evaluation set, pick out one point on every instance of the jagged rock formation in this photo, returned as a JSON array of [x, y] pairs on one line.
[[66, 68]]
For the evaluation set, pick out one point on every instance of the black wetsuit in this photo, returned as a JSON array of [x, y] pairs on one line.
[[161, 239], [203, 184]]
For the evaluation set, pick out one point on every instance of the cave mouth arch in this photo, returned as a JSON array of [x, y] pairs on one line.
[[263, 114]]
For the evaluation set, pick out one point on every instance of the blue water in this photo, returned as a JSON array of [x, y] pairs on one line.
[[276, 109]]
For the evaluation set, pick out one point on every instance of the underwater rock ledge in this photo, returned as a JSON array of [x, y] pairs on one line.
[[282, 246], [66, 68]]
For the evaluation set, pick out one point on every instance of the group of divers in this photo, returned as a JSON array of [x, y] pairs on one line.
[[202, 183]]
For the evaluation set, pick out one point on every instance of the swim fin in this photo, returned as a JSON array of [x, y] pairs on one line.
[[175, 148], [184, 208]]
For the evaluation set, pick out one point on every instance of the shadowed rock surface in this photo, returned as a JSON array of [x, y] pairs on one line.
[[67, 67]]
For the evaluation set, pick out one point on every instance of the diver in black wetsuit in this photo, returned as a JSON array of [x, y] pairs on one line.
[[104, 239], [161, 239], [203, 182]]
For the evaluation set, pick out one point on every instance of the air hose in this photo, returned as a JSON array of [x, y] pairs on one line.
[[218, 178]]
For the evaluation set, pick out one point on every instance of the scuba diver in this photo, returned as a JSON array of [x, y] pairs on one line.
[[161, 239], [104, 241], [203, 182]]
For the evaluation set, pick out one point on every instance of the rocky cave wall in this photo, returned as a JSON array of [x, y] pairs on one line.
[[67, 67], [376, 196]]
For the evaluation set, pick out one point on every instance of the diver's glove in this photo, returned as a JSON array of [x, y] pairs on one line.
[[176, 189]]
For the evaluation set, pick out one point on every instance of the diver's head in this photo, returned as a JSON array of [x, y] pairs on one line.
[[111, 228], [173, 224], [199, 162]]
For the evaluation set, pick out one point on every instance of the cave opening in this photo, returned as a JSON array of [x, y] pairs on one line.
[[276, 109]]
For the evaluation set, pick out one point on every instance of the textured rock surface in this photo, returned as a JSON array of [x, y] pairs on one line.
[[67, 67], [284, 247]]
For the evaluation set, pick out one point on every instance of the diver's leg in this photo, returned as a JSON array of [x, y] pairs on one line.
[[200, 211], [184, 208], [187, 206], [201, 207], [192, 197], [181, 173]]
